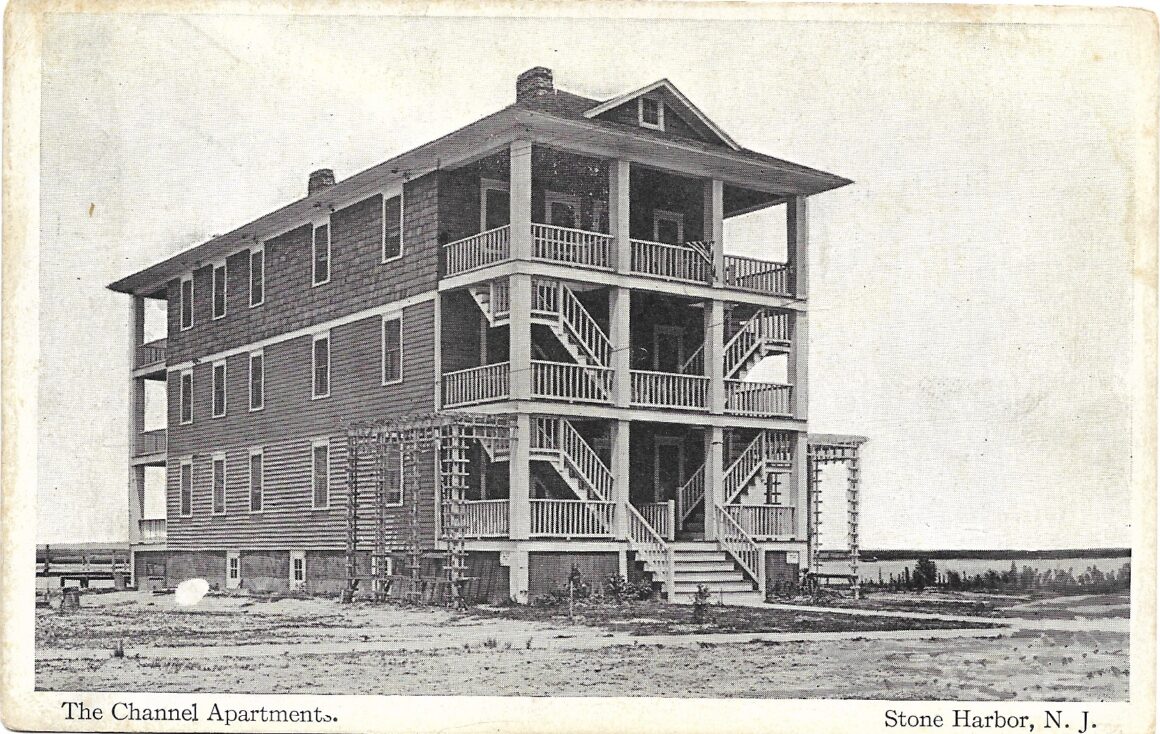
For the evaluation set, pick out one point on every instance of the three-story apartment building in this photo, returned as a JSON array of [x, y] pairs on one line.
[[562, 261]]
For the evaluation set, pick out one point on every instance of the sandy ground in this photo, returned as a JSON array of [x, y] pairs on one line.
[[234, 644]]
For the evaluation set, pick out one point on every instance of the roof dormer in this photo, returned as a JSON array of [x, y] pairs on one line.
[[662, 107]]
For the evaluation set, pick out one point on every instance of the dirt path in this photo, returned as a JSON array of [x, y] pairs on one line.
[[1110, 624]]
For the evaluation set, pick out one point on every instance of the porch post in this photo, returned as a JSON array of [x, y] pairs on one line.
[[520, 198], [519, 483], [714, 227], [798, 243], [801, 484], [797, 366], [518, 575], [520, 338], [714, 478], [620, 471], [715, 354], [619, 311], [618, 214], [136, 420]]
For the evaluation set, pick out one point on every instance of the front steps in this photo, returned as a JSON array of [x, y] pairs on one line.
[[701, 562]]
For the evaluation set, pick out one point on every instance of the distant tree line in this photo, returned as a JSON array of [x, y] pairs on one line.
[[926, 574]]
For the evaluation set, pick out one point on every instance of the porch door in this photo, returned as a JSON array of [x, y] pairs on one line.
[[668, 348], [233, 569], [668, 467], [562, 210], [495, 206]]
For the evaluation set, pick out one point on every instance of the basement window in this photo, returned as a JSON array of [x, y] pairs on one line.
[[650, 113], [297, 569]]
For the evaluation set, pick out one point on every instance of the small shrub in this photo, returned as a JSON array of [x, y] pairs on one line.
[[701, 603], [491, 643]]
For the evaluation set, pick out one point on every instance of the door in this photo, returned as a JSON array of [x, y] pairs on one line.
[[233, 570], [669, 227], [668, 348], [494, 206], [668, 467], [562, 210]]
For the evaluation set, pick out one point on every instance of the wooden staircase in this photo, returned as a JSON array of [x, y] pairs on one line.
[[703, 562], [764, 334]]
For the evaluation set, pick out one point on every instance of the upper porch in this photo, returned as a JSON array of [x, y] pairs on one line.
[[624, 222]]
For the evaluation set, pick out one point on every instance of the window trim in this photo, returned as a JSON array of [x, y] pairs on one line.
[[557, 197], [250, 380], [184, 462], [492, 184], [315, 338], [383, 338], [214, 386], [213, 460], [297, 556], [188, 372], [188, 278], [233, 556], [256, 451], [660, 123], [316, 443], [314, 281], [260, 250], [225, 268], [383, 241], [660, 215]]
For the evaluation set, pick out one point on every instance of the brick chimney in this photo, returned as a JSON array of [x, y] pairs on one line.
[[533, 83], [321, 179]]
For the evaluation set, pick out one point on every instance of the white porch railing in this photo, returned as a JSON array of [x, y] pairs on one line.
[[669, 390], [152, 530], [572, 519], [690, 494], [571, 382], [733, 539], [150, 353], [476, 385], [662, 516], [651, 548], [151, 442], [758, 398], [484, 518], [477, 251], [572, 246], [674, 262], [751, 274], [768, 522]]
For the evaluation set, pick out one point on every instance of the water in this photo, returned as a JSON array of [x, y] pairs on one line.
[[869, 570]]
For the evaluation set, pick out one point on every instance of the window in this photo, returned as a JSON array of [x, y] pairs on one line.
[[668, 227], [650, 113], [321, 254], [562, 210], [186, 302], [392, 349], [392, 228], [297, 569], [393, 476], [320, 365], [233, 569], [186, 487], [257, 276], [219, 389], [185, 397], [218, 479], [320, 452], [257, 380], [494, 204], [219, 290], [256, 479]]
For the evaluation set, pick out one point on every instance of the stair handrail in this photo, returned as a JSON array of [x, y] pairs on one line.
[[585, 461], [576, 318], [733, 539], [751, 460], [733, 355], [650, 547], [690, 494]]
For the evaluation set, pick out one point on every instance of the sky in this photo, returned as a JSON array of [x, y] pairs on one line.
[[970, 293]]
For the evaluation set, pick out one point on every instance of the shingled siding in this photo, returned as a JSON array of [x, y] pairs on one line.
[[284, 429], [358, 278]]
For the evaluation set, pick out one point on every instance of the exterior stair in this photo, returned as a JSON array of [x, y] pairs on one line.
[[766, 333], [703, 562], [765, 453]]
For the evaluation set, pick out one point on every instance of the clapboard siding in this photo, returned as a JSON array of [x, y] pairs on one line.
[[358, 279]]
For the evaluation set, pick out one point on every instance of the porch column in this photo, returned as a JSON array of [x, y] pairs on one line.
[[798, 244], [619, 319], [520, 198], [520, 337], [714, 478], [801, 485], [136, 419], [519, 483], [714, 218], [618, 214], [518, 575], [797, 366], [715, 354], [620, 473]]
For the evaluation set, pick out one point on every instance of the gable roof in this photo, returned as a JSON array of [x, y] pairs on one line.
[[675, 99]]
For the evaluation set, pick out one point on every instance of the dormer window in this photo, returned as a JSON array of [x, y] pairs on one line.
[[650, 113]]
